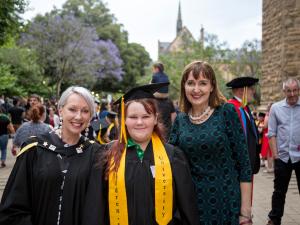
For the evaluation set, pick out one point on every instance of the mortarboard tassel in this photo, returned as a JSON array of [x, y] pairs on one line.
[[245, 99], [123, 130]]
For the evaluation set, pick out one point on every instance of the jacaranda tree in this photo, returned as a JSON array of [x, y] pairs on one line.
[[71, 52]]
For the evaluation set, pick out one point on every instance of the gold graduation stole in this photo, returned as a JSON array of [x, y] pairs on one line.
[[163, 188]]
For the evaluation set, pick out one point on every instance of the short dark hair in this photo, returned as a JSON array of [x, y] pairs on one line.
[[35, 96], [15, 100], [159, 66]]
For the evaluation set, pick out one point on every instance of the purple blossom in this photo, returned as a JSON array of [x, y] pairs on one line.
[[71, 49]]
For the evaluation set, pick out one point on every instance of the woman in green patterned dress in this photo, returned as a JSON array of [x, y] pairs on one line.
[[209, 132]]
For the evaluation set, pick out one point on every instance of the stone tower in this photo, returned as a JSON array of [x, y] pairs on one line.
[[179, 21], [280, 47]]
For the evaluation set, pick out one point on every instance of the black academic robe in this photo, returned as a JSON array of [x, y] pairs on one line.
[[54, 184], [140, 190], [251, 134], [252, 142]]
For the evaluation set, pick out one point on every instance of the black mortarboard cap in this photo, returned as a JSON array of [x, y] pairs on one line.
[[145, 91], [96, 124], [240, 82]]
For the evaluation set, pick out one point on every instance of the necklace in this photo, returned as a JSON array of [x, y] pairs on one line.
[[58, 132], [200, 117]]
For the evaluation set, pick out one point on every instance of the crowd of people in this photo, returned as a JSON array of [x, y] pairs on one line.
[[142, 160]]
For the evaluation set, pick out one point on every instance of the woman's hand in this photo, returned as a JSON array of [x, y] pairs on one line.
[[245, 220]]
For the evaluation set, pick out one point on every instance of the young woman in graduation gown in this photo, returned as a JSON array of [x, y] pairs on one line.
[[55, 180], [149, 182]]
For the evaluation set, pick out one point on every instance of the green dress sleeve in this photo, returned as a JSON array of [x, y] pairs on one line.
[[237, 141], [174, 134]]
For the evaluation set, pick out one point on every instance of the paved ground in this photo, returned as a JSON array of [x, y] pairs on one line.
[[263, 188]]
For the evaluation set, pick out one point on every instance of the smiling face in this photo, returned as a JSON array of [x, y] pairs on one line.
[[140, 123], [198, 90], [75, 114]]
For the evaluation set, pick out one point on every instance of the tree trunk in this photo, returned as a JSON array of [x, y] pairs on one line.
[[58, 87]]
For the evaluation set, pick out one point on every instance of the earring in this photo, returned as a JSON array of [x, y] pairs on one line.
[[60, 122], [86, 131], [58, 129]]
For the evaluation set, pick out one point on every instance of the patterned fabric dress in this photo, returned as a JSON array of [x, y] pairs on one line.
[[219, 161]]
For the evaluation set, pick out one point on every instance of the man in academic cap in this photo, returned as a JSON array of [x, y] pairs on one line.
[[243, 90]]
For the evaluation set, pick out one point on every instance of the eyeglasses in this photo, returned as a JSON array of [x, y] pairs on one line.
[[289, 91]]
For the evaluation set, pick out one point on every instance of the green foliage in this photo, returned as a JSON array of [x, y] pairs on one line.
[[212, 52], [20, 72], [227, 63], [137, 59], [246, 61], [9, 18], [7, 80]]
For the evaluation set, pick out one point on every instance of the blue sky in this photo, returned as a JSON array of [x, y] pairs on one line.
[[148, 21]]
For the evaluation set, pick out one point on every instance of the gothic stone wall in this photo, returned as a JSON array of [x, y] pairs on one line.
[[280, 47]]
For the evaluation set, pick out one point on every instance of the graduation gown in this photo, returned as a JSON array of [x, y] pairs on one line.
[[251, 133], [53, 184], [140, 190]]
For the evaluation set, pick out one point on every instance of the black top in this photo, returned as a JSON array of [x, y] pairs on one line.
[[49, 176], [16, 114], [161, 77], [4, 121], [165, 109], [140, 190]]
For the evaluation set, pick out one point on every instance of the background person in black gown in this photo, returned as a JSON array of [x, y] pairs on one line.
[[153, 178], [55, 180]]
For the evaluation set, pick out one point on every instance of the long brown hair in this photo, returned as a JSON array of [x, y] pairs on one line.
[[117, 147], [198, 68]]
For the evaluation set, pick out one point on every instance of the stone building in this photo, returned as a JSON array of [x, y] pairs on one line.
[[183, 39], [280, 47]]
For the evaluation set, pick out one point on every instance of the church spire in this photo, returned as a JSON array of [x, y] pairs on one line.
[[179, 21]]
